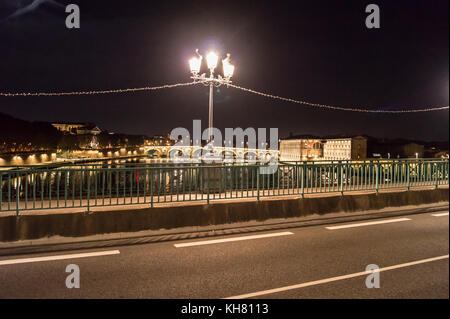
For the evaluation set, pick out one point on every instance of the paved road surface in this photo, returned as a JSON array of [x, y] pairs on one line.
[[309, 262]]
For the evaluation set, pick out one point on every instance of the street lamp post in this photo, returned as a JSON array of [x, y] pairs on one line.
[[211, 81]]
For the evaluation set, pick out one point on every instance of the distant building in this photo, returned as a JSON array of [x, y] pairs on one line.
[[77, 128], [86, 133], [341, 149], [303, 149], [313, 148], [160, 140]]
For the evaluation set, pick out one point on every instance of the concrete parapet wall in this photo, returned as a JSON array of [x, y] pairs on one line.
[[26, 227]]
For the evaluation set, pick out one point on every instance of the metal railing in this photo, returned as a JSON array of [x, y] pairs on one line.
[[36, 187]]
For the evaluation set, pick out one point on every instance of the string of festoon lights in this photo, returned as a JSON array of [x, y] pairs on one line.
[[276, 97], [340, 108], [94, 92]]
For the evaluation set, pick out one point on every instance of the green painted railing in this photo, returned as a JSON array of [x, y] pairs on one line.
[[37, 187]]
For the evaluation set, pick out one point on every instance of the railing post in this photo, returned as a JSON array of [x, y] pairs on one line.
[[341, 178], [17, 194], [88, 190], [446, 172], [377, 176], [257, 183], [207, 185], [303, 181], [408, 180], [436, 176], [1, 191], [151, 188]]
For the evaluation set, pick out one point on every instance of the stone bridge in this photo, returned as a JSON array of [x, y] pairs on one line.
[[217, 152]]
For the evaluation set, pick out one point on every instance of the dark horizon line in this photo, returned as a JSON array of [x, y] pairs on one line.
[[289, 136]]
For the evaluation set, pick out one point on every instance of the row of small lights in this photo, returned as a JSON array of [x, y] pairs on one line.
[[33, 155]]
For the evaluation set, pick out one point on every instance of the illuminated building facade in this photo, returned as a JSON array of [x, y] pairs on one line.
[[77, 128], [341, 149], [301, 149], [310, 149]]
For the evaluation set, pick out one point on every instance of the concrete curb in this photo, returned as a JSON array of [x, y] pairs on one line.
[[31, 227]]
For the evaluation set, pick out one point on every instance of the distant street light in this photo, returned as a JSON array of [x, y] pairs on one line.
[[211, 81]]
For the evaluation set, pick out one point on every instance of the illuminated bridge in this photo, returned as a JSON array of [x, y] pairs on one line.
[[218, 152]]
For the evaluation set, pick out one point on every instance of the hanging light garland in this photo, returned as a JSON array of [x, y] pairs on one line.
[[272, 96]]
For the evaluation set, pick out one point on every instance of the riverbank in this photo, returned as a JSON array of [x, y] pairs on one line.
[[74, 161]]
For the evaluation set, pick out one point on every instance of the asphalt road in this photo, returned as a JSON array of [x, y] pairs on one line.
[[308, 262]]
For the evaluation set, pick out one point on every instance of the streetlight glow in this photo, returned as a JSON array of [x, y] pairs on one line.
[[195, 64], [228, 68], [211, 60]]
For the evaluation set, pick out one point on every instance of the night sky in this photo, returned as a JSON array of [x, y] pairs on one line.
[[319, 51]]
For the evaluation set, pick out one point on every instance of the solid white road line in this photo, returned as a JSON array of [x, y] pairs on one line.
[[226, 240], [327, 280], [385, 221], [58, 257], [440, 214]]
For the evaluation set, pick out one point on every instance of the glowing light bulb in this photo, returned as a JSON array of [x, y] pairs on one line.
[[195, 64], [211, 60], [228, 68]]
